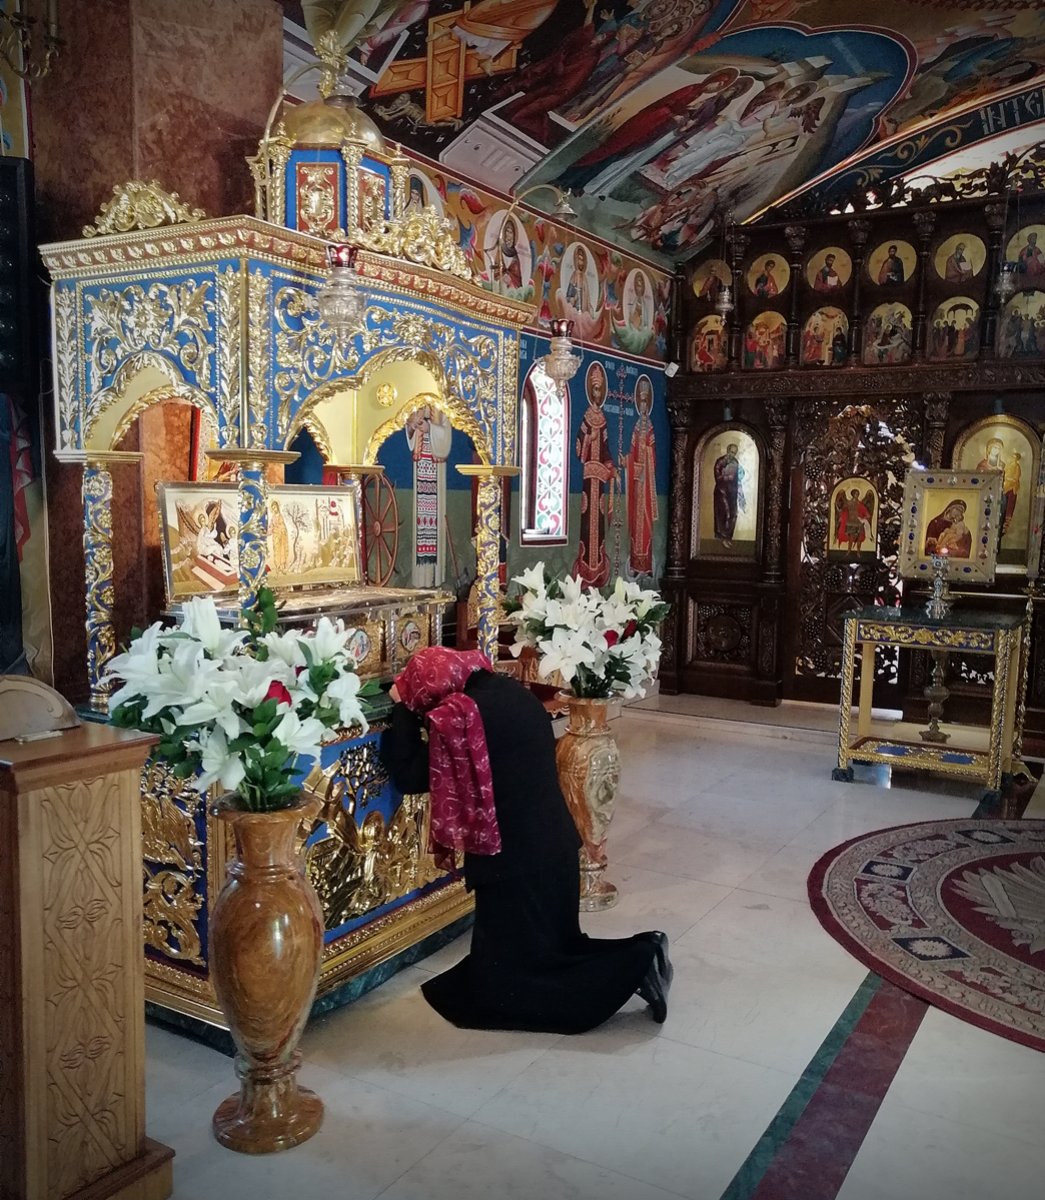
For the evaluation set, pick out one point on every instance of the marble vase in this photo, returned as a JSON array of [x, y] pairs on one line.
[[266, 942], [588, 762]]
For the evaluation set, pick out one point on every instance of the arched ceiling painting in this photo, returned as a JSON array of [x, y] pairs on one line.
[[661, 114]]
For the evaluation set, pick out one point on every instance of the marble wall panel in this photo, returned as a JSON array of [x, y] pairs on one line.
[[206, 73], [173, 90]]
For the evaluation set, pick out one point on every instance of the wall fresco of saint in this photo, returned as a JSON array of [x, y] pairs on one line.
[[614, 299]]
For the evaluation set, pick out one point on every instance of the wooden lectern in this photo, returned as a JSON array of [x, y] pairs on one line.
[[72, 1011]]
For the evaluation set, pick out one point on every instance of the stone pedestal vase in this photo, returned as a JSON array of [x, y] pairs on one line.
[[266, 941], [589, 773]]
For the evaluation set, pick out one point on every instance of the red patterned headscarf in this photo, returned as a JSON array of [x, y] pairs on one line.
[[461, 787]]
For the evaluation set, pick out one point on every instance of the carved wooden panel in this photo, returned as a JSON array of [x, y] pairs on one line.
[[834, 439], [11, 1086], [173, 812], [70, 945], [721, 632], [88, 993]]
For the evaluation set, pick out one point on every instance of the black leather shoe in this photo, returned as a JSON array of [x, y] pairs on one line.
[[660, 940], [654, 990]]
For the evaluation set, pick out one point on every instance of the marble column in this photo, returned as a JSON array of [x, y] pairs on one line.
[[141, 89]]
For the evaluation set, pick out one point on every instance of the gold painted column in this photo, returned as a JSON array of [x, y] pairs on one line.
[[72, 1006], [488, 549], [252, 533], [96, 491]]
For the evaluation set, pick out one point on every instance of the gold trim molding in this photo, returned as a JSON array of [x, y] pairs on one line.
[[238, 236], [248, 237], [140, 205], [247, 458], [488, 471]]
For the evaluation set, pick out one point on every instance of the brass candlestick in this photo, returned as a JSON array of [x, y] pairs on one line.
[[936, 693]]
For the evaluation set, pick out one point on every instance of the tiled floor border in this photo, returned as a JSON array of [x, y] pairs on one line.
[[807, 1151], [813, 1140]]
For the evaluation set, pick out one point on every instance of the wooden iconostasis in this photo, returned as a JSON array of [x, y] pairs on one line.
[[858, 346]]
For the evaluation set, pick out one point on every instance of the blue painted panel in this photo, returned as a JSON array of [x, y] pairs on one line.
[[181, 327], [312, 156], [309, 467]]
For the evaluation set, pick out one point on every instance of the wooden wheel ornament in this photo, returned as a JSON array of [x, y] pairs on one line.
[[380, 529]]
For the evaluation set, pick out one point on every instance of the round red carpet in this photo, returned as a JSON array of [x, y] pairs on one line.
[[953, 911]]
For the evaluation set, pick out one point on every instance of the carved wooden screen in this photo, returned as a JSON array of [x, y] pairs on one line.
[[833, 441]]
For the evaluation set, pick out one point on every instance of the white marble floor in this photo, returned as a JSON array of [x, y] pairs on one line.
[[715, 833]]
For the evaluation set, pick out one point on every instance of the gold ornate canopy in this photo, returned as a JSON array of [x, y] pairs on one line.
[[159, 303]]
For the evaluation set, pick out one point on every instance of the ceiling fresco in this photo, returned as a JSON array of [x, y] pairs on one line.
[[662, 115]]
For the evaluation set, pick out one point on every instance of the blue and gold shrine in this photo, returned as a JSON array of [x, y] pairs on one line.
[[158, 305]]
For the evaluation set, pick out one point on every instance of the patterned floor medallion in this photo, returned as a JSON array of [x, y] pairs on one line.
[[953, 911]]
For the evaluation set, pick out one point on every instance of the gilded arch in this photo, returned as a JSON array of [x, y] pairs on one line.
[[450, 406], [142, 380]]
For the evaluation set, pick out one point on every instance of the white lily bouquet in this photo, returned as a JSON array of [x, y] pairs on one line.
[[603, 643], [238, 706]]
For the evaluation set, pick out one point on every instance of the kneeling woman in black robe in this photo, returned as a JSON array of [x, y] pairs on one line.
[[482, 745]]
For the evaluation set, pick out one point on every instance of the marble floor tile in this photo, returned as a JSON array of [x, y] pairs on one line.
[[368, 1139], [770, 931], [750, 806], [478, 1163], [631, 1099], [909, 1155], [767, 1014], [863, 808], [179, 1069], [691, 854], [786, 873], [973, 1077], [633, 815], [652, 900], [417, 1054]]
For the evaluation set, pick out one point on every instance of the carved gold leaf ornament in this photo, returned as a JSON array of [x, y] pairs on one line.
[[488, 544], [140, 205], [453, 408], [915, 635], [97, 544], [259, 355], [309, 356], [174, 317], [65, 364], [173, 863], [425, 237], [363, 861]]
